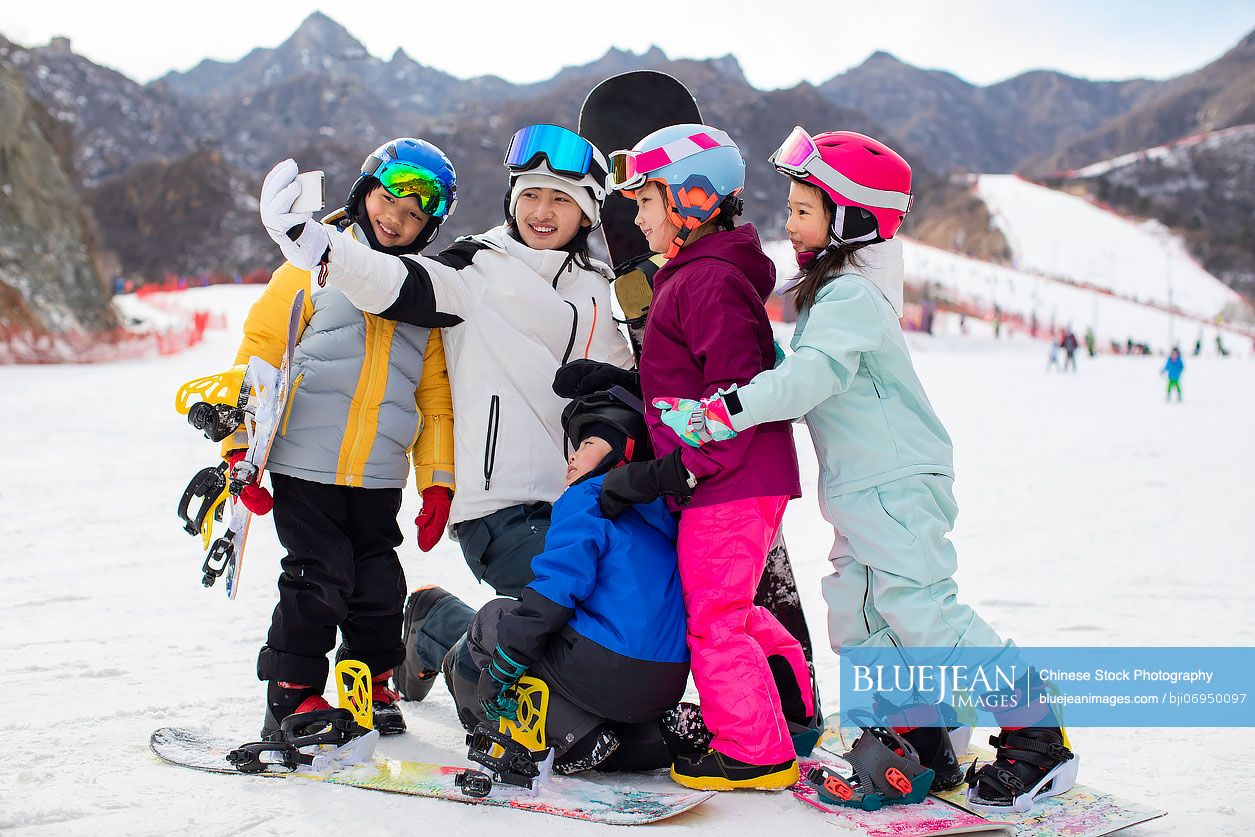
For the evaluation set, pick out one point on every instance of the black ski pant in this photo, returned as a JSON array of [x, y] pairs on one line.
[[641, 746], [341, 572]]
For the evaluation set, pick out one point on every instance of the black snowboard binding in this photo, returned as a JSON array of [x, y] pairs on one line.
[[514, 764], [286, 749], [886, 771], [1030, 764]]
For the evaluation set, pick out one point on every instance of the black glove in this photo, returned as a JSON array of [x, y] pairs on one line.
[[645, 482], [584, 377]]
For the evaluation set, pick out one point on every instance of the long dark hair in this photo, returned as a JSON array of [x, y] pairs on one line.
[[833, 260]]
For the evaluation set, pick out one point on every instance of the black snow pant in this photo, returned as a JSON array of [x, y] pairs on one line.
[[641, 746], [341, 572]]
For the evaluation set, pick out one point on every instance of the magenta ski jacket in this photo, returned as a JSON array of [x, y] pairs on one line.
[[707, 329]]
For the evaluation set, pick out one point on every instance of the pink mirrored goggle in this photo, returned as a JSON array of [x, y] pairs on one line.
[[630, 169], [798, 156]]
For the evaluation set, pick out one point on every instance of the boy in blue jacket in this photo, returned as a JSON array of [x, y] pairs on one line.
[[603, 623]]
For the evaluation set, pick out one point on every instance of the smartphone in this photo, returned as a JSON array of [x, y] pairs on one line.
[[313, 195]]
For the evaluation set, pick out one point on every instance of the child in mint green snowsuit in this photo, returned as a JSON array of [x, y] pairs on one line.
[[885, 464]]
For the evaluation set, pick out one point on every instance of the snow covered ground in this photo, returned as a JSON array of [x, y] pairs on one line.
[[1092, 513]]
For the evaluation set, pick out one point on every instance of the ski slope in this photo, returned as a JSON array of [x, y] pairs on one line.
[[1062, 235], [1092, 513]]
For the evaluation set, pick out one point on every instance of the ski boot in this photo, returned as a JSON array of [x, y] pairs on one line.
[[284, 699], [713, 770], [886, 771], [1030, 764], [928, 729], [413, 679], [386, 704]]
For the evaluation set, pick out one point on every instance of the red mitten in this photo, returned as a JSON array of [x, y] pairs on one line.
[[434, 516], [257, 499]]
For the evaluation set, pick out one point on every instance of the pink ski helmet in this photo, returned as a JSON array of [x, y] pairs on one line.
[[853, 170]]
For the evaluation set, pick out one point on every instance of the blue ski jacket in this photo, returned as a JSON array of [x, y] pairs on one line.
[[604, 622], [1174, 368]]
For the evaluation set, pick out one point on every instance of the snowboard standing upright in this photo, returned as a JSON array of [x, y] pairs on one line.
[[617, 114]]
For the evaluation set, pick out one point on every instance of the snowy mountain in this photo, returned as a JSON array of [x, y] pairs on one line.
[[1203, 187]]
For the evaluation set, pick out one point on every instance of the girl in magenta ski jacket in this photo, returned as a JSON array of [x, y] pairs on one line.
[[708, 329]]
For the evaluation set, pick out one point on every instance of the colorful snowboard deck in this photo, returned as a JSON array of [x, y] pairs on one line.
[[1081, 812], [561, 796]]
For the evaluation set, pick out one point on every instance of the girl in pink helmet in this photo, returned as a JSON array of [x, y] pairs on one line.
[[886, 465]]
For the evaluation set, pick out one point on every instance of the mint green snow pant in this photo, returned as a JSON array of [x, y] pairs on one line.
[[893, 569], [893, 578]]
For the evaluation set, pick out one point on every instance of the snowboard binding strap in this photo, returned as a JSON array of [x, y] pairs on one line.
[[886, 771], [209, 484], [994, 789], [514, 765]]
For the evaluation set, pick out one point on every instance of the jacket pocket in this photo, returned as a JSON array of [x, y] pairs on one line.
[[490, 439]]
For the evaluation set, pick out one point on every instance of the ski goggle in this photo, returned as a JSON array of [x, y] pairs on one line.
[[565, 151], [630, 169], [436, 196], [798, 156]]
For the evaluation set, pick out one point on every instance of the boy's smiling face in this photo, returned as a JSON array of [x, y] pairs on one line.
[[395, 221], [586, 457]]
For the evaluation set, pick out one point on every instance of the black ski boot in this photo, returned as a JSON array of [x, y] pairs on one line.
[[413, 678], [284, 699], [386, 706], [1030, 764]]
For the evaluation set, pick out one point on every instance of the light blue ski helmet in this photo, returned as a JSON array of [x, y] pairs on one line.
[[700, 168]]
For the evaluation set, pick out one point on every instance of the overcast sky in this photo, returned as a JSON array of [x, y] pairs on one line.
[[778, 44]]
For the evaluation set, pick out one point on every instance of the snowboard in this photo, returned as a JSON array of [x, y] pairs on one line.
[[933, 817], [227, 552], [560, 796], [617, 114], [1081, 812]]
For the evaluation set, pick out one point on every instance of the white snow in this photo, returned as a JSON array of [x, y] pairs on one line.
[[1065, 236], [1168, 152], [1057, 304], [1092, 513]]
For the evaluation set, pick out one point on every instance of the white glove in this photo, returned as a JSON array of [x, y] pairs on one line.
[[278, 192]]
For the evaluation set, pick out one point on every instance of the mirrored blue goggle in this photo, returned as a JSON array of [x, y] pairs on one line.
[[436, 196], [565, 151]]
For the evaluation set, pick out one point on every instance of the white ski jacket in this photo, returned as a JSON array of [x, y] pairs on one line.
[[523, 313]]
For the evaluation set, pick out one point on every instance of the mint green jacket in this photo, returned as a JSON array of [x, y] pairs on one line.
[[850, 377]]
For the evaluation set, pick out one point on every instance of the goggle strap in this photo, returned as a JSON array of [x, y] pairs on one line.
[[865, 195], [674, 152]]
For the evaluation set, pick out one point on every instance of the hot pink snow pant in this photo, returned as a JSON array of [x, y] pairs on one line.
[[723, 550]]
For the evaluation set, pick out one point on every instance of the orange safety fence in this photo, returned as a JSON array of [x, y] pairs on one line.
[[26, 345]]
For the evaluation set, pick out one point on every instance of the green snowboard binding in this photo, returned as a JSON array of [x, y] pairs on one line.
[[887, 771]]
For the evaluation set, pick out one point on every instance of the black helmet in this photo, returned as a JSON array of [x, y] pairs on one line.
[[616, 409]]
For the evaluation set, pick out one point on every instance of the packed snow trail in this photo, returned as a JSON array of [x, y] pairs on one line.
[[1092, 513]]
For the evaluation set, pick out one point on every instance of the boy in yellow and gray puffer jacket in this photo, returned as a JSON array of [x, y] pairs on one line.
[[368, 397]]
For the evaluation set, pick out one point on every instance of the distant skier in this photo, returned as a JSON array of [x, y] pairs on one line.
[[1053, 363], [1090, 341], [1173, 368], [367, 397], [1198, 345], [886, 460], [1221, 349], [1069, 344]]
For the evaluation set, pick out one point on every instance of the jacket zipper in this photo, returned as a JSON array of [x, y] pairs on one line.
[[575, 322], [490, 439], [591, 329]]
